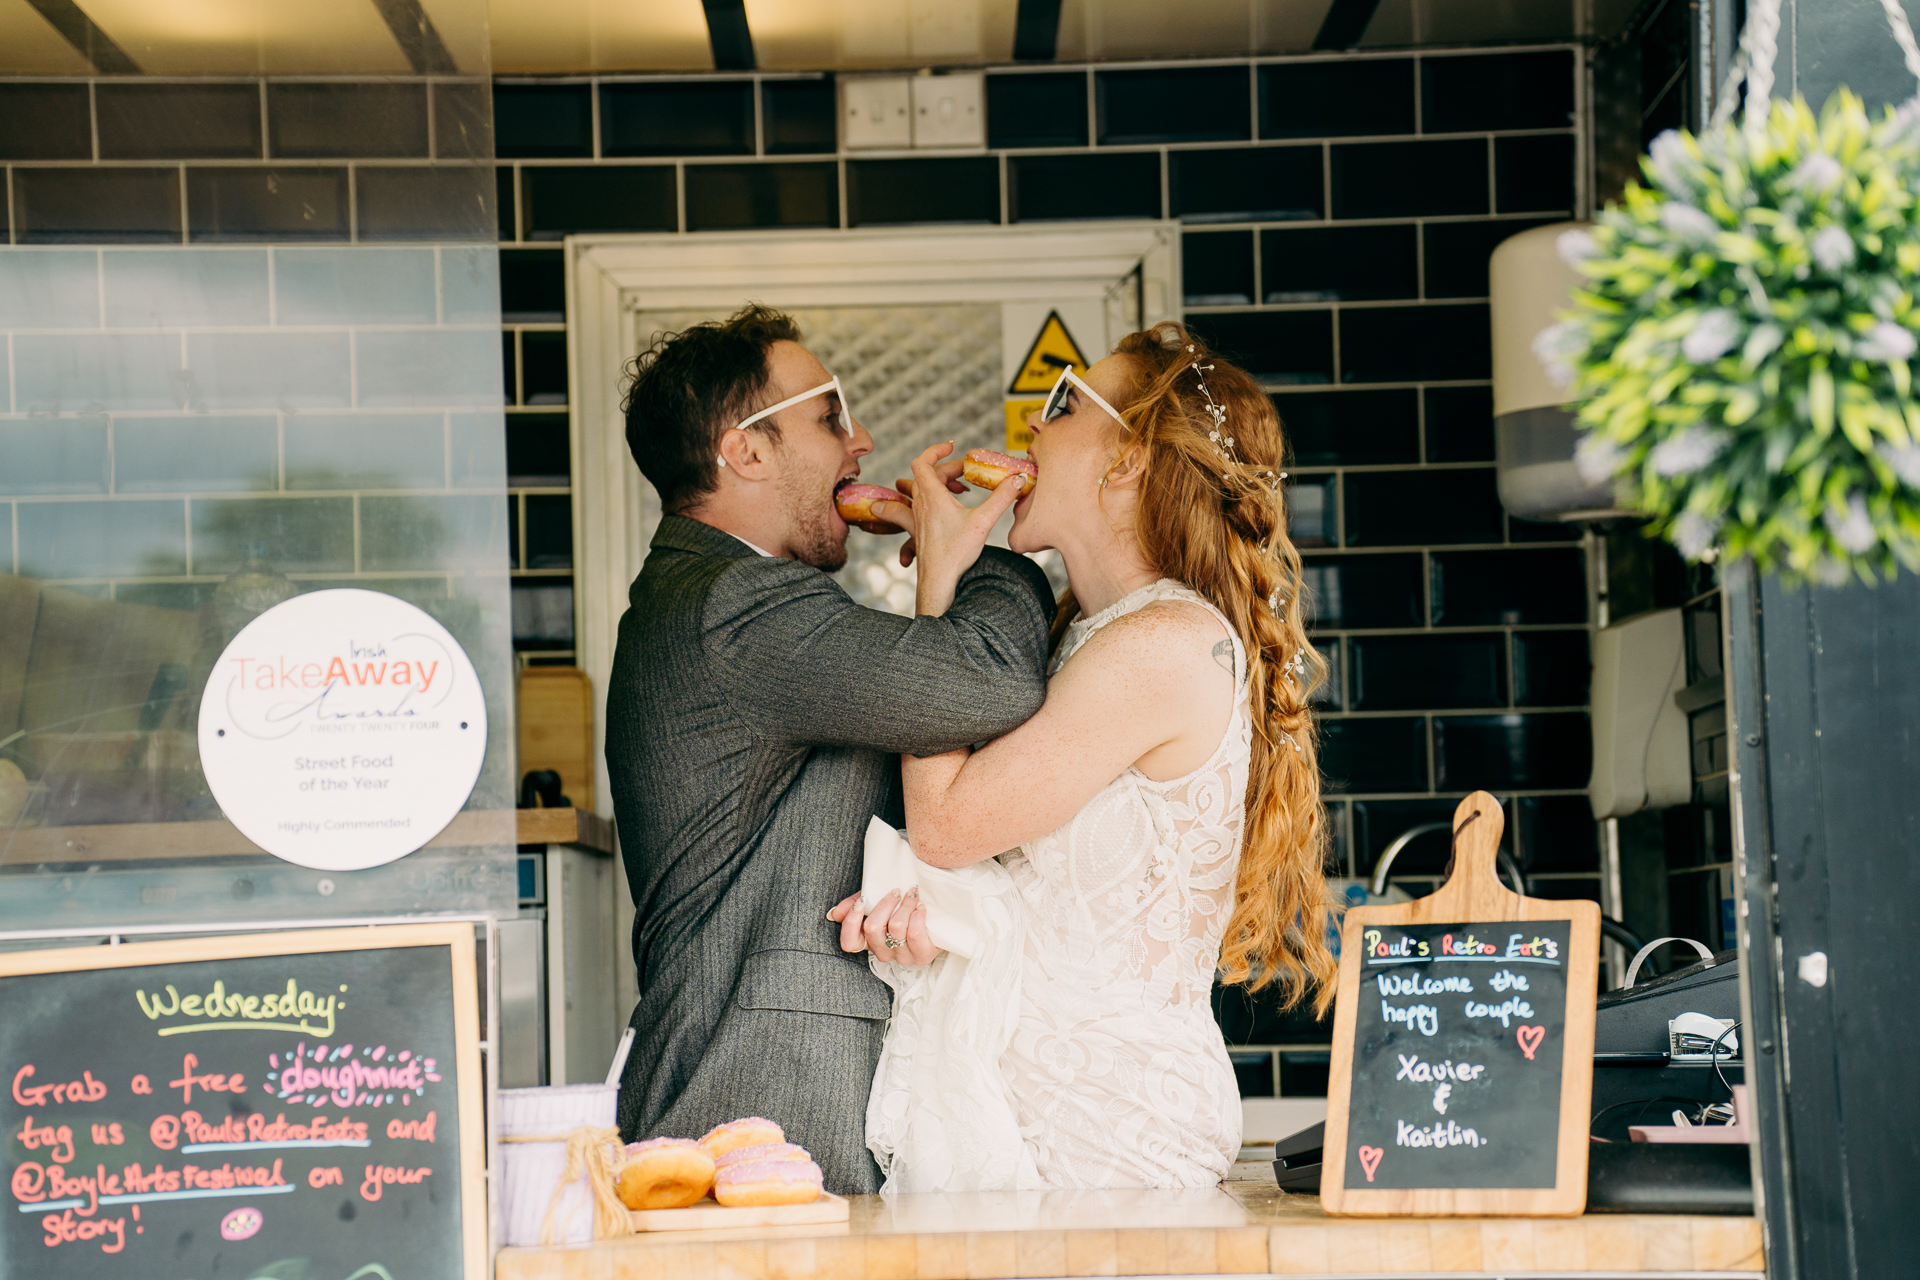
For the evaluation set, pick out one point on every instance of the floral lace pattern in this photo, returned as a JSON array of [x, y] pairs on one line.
[[1098, 1047]]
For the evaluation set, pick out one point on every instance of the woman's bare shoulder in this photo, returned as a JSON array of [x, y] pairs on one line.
[[1166, 637]]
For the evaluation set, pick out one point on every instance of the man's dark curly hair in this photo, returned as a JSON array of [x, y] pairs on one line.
[[688, 388]]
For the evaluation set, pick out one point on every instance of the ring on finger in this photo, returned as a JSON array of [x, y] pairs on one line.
[[893, 943]]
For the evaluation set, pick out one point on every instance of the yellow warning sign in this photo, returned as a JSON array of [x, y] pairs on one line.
[[1019, 437], [1053, 350]]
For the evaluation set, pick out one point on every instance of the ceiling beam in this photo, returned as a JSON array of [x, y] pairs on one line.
[[1036, 30], [93, 44], [1345, 23], [727, 33], [425, 51]]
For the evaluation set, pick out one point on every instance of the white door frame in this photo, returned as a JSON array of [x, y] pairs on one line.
[[611, 277]]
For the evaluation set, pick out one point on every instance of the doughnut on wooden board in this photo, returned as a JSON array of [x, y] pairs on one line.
[[709, 1215]]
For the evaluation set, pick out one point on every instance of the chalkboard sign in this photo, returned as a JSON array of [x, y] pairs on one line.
[[1463, 1046], [302, 1105]]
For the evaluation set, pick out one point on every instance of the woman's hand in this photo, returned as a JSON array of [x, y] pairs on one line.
[[947, 537], [902, 919]]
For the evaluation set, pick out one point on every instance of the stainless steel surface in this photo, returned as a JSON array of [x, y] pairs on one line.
[[582, 1019], [522, 1038]]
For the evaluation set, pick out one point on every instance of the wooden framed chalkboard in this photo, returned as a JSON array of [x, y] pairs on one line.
[[301, 1104], [1463, 1046]]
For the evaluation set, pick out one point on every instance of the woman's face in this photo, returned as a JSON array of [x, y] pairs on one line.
[[1072, 453]]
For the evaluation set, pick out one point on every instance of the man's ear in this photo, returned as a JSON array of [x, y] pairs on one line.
[[747, 454]]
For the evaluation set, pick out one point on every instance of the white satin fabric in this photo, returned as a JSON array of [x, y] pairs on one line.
[[1075, 1045]]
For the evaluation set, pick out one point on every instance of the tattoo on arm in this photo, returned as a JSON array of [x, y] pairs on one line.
[[1223, 654]]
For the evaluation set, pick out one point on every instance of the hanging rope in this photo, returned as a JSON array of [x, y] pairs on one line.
[[1759, 46]]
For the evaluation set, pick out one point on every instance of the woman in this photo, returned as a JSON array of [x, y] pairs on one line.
[[1163, 807]]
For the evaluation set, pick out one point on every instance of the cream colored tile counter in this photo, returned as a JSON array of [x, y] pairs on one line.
[[1244, 1228]]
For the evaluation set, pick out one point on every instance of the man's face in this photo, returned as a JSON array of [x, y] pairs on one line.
[[814, 456]]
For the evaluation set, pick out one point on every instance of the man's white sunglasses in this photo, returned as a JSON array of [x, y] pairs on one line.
[[845, 415], [1056, 404]]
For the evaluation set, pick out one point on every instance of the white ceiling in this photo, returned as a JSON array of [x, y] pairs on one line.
[[344, 37]]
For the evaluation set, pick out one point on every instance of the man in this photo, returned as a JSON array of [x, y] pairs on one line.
[[754, 720]]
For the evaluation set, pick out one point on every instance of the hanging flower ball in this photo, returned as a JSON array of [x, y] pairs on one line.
[[1740, 349]]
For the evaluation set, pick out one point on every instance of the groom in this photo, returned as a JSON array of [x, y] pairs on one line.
[[754, 720]]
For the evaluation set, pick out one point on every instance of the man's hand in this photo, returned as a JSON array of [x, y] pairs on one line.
[[902, 919], [947, 536]]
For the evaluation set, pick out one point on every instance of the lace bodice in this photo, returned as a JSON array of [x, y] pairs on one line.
[[1081, 1050], [1136, 888]]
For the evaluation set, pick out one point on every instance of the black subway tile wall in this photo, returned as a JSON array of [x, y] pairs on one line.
[[345, 121], [677, 118], [897, 192], [1337, 217], [1175, 104], [192, 121], [278, 203], [42, 121]]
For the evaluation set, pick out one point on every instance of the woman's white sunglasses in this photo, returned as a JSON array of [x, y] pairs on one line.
[[1056, 403], [845, 415]]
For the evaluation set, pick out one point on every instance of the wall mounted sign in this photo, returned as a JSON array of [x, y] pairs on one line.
[[1463, 1046], [1053, 349], [342, 729], [298, 1104]]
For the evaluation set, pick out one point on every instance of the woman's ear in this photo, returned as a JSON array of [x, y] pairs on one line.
[[1129, 465]]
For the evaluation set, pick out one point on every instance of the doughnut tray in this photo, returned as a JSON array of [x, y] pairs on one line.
[[707, 1215]]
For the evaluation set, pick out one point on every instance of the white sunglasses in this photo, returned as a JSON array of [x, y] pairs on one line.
[[1056, 403], [845, 415]]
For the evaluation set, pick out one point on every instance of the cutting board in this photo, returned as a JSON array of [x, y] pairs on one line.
[[708, 1215]]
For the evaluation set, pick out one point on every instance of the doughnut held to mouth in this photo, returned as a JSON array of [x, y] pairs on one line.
[[989, 469], [856, 504]]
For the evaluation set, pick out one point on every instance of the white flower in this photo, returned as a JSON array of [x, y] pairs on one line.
[[1852, 528], [1555, 345], [1669, 161], [1885, 341], [1689, 451], [1575, 247], [1905, 461], [1687, 222], [1693, 534], [1818, 173], [1712, 336], [1832, 247], [1597, 458]]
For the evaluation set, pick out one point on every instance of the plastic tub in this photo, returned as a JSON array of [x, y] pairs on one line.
[[531, 1170]]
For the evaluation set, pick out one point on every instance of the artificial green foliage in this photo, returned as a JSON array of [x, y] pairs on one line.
[[1740, 349]]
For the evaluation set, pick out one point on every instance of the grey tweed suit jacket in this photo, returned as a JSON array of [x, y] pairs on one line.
[[754, 720]]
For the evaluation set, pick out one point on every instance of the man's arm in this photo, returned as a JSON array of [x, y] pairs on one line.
[[805, 664]]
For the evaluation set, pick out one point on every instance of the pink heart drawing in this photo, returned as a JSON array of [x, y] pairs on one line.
[[1530, 1038], [1370, 1159]]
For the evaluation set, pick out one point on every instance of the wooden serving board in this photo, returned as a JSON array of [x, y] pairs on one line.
[[708, 1215], [1463, 1046]]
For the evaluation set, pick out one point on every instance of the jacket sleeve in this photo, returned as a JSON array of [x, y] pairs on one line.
[[804, 664]]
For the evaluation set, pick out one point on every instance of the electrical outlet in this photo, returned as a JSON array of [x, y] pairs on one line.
[[876, 113], [949, 110]]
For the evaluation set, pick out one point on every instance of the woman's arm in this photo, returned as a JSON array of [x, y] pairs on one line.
[[1148, 688]]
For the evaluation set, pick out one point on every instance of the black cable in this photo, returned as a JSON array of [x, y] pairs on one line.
[[1643, 1104]]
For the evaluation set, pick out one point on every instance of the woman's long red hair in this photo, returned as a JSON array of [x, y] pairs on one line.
[[1212, 515]]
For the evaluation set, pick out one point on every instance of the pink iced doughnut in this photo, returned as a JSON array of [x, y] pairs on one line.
[[760, 1182], [747, 1131], [990, 470], [765, 1151]]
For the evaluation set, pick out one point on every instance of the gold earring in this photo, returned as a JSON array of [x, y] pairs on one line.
[[1103, 482]]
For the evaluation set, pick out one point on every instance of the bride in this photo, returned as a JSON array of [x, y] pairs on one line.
[[1162, 809]]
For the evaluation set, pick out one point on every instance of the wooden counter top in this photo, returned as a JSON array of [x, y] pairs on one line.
[[1246, 1227], [168, 841]]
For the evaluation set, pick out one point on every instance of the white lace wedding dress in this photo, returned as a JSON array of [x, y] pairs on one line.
[[1078, 1048]]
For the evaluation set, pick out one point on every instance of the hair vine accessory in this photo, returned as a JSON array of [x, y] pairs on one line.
[[1221, 442]]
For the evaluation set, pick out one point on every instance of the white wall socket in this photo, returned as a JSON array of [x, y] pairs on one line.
[[876, 113], [950, 110]]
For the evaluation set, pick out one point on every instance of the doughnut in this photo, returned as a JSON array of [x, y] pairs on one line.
[[758, 1182], [746, 1132], [990, 470], [663, 1173], [855, 504], [764, 1151]]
